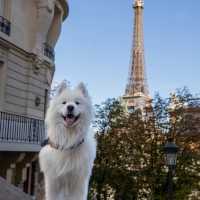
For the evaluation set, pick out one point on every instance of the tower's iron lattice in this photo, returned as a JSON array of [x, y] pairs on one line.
[[136, 93]]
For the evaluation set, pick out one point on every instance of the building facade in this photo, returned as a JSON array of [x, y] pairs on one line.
[[136, 93], [29, 31]]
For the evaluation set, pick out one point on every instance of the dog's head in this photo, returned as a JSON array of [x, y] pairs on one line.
[[70, 107]]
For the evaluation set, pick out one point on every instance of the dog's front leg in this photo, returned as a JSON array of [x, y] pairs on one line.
[[52, 190], [80, 190]]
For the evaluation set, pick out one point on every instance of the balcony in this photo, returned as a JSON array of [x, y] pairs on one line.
[[19, 133], [5, 26], [49, 51]]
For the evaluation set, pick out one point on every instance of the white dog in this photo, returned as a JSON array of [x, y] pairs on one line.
[[67, 158]]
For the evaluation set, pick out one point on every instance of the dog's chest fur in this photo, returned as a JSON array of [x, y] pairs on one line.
[[57, 163]]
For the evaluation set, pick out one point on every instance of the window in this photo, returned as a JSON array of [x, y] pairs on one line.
[[4, 25], [130, 109], [5, 12], [1, 70], [46, 96]]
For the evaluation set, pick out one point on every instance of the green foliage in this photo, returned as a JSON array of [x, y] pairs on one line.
[[130, 162]]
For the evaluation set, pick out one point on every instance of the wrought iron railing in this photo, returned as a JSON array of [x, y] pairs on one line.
[[49, 51], [5, 25], [20, 129]]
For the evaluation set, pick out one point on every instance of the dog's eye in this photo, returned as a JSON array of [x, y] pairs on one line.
[[77, 102], [64, 102]]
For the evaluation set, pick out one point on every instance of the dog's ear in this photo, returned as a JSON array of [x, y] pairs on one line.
[[62, 86], [81, 86]]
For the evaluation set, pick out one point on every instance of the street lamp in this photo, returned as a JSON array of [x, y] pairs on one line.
[[170, 150]]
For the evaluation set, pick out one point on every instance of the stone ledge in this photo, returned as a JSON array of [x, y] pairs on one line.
[[19, 147], [10, 192]]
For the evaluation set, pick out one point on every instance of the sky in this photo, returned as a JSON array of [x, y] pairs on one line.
[[96, 40]]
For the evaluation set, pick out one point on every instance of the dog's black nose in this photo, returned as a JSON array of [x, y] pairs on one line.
[[70, 108]]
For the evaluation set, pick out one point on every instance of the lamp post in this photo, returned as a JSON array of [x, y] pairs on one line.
[[170, 150]]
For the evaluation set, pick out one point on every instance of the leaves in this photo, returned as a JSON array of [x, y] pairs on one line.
[[130, 161]]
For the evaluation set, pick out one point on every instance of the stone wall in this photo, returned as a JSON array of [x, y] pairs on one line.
[[24, 80]]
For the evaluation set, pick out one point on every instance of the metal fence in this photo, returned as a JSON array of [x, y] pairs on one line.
[[49, 51], [20, 129]]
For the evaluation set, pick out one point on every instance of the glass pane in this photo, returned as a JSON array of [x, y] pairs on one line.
[[171, 159]]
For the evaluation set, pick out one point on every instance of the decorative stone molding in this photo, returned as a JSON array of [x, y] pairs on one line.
[[37, 101], [10, 173], [45, 13], [5, 8], [37, 64], [48, 4], [65, 8], [24, 174], [49, 76], [56, 25]]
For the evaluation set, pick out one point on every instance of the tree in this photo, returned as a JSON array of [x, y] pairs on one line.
[[130, 161]]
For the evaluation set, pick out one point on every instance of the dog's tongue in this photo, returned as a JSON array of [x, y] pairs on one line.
[[69, 121]]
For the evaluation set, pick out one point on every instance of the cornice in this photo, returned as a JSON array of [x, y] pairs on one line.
[[65, 6]]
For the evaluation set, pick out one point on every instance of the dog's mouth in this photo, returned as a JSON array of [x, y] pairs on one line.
[[70, 119]]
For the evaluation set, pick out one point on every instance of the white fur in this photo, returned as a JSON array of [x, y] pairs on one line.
[[67, 172]]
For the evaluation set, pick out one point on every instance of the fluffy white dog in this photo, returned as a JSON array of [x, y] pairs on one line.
[[67, 158]]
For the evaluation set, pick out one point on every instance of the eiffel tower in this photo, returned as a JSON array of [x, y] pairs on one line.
[[136, 94]]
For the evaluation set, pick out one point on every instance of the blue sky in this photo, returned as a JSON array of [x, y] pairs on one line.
[[96, 39]]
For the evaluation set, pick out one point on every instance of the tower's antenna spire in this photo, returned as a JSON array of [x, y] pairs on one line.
[[136, 93]]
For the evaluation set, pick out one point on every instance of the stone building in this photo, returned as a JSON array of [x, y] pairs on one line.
[[29, 31]]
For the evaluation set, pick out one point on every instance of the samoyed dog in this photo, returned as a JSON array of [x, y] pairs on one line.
[[67, 158]]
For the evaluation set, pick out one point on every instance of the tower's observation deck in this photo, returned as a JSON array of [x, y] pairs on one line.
[[139, 3]]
